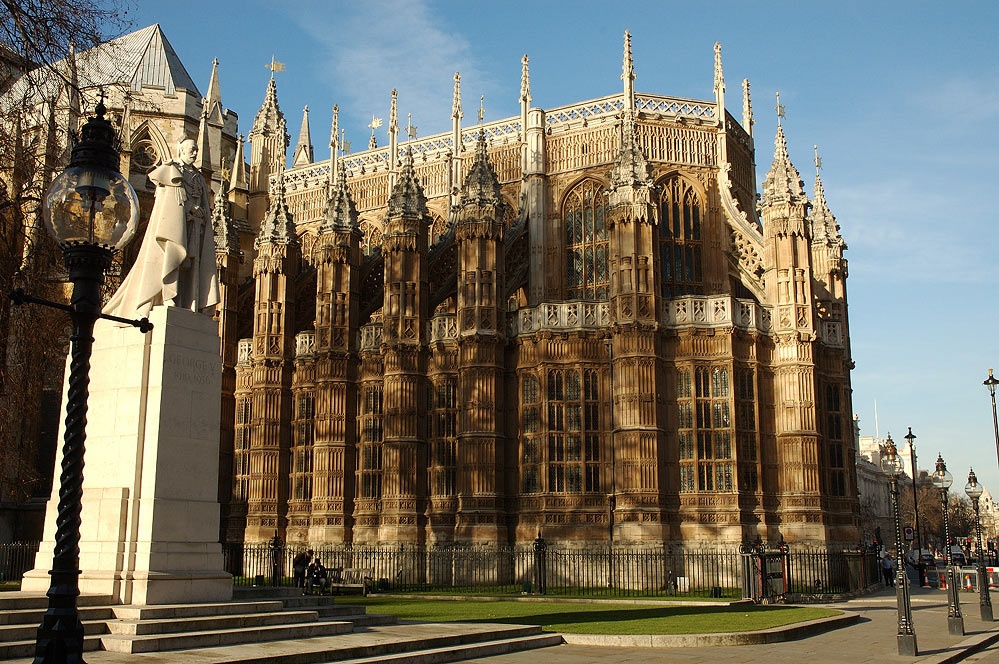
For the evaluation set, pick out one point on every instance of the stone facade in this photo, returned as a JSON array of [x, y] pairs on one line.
[[576, 321], [580, 320]]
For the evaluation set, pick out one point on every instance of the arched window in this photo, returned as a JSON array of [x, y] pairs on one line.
[[586, 243], [704, 430], [680, 214]]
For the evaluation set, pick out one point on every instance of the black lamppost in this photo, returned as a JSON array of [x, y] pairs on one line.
[[991, 382], [892, 465], [91, 210], [975, 491], [942, 480], [911, 439]]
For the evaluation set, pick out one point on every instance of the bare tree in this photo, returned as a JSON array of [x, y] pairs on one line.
[[39, 111]]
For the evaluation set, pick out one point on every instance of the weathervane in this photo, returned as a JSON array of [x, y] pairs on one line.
[[818, 159], [374, 124], [410, 127], [274, 66], [779, 108], [482, 107]]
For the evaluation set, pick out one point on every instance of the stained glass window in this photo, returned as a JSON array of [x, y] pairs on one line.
[[680, 238]]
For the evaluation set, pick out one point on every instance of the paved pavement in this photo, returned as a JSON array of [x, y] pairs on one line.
[[872, 640]]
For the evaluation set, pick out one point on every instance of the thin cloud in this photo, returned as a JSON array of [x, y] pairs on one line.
[[412, 53]]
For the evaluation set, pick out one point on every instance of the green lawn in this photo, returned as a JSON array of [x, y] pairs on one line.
[[598, 617]]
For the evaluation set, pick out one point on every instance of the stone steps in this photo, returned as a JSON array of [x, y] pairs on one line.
[[213, 638]]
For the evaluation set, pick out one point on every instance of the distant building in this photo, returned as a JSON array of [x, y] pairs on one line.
[[583, 321]]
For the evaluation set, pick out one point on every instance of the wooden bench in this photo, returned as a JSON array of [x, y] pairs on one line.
[[351, 580]]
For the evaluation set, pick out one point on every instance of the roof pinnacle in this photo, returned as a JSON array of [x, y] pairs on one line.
[[456, 101], [525, 80]]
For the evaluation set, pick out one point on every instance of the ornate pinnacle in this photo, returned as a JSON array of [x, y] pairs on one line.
[[525, 81], [719, 76], [628, 75], [394, 113], [456, 103], [747, 108]]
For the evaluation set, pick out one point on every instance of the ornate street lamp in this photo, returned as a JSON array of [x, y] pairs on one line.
[[975, 491], [892, 465], [91, 210], [942, 480], [911, 439], [991, 383]]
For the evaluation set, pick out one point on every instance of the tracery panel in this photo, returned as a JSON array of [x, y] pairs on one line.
[[587, 242], [681, 211]]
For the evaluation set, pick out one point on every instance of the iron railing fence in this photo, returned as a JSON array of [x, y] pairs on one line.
[[554, 569], [16, 558]]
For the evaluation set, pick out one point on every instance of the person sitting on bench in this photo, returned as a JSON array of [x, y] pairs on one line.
[[317, 575]]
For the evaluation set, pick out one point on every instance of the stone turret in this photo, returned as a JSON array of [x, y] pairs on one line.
[[275, 269], [337, 259], [481, 333], [269, 140], [405, 315]]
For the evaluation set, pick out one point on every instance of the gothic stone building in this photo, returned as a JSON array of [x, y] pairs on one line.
[[574, 321], [581, 321]]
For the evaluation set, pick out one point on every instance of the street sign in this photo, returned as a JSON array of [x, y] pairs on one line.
[[909, 533]]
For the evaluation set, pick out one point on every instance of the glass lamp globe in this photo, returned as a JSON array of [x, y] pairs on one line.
[[973, 488], [891, 462], [942, 479], [91, 202]]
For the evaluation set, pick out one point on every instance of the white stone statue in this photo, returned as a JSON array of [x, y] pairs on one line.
[[176, 262]]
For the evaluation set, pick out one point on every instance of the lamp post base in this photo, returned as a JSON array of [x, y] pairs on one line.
[[986, 610], [907, 645], [955, 625]]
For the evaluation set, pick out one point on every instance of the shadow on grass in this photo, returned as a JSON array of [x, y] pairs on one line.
[[564, 617]]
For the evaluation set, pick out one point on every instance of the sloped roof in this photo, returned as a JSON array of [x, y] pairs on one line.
[[138, 59]]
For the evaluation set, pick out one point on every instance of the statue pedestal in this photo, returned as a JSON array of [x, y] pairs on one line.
[[150, 531]]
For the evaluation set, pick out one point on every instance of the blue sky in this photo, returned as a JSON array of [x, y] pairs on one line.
[[901, 98]]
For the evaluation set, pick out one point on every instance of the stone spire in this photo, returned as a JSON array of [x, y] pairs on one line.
[[628, 75], [393, 134], [334, 145], [525, 81], [238, 181], [277, 227], [407, 198], [226, 236], [481, 184], [214, 90], [269, 140], [456, 113], [303, 149], [719, 85], [341, 213], [204, 160], [824, 227], [747, 108], [783, 182]]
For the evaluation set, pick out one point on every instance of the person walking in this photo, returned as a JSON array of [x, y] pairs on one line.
[[888, 569]]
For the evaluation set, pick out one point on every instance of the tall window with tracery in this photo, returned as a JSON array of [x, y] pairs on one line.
[[835, 475], [587, 242], [680, 214], [369, 463], [704, 430], [573, 431], [530, 433], [444, 440], [746, 434], [301, 451], [241, 451]]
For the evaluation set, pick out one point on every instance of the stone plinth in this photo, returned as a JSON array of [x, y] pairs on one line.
[[150, 531]]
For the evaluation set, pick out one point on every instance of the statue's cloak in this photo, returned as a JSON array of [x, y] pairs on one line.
[[153, 278]]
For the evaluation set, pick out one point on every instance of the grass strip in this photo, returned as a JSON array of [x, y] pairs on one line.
[[599, 617]]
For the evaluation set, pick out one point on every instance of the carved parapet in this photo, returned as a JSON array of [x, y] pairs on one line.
[[244, 352], [562, 316], [371, 337], [305, 344], [719, 311], [443, 327]]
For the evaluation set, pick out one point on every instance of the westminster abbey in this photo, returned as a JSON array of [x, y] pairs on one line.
[[582, 321]]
